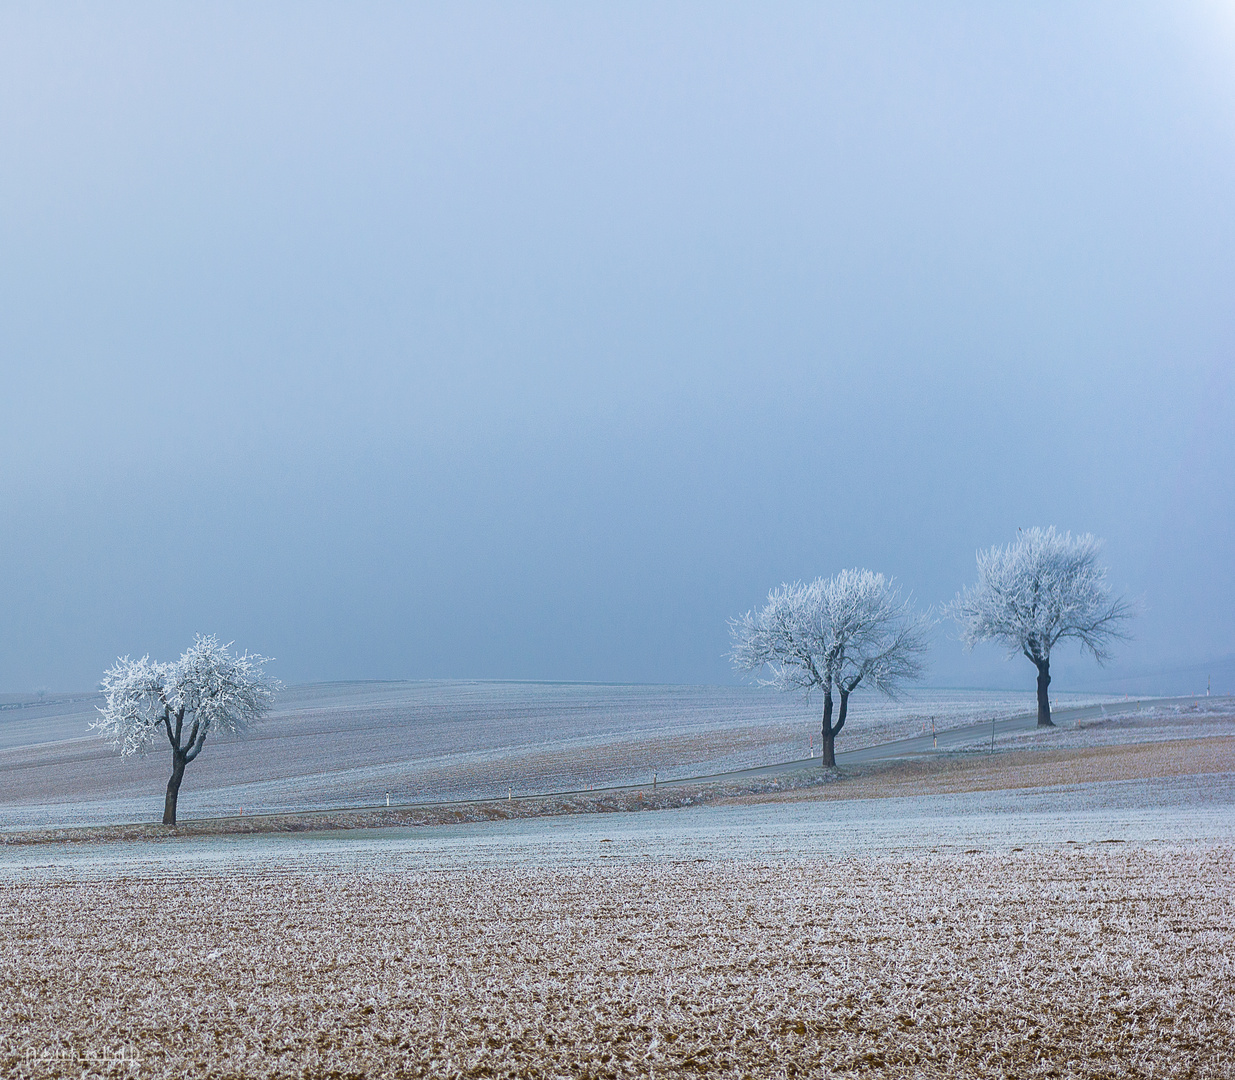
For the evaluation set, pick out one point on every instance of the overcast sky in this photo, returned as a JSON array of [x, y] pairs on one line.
[[536, 341]]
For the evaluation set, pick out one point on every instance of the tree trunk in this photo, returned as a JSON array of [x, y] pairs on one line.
[[1044, 701], [173, 788], [827, 738], [828, 752], [844, 712]]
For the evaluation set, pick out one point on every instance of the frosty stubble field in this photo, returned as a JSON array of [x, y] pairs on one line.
[[1101, 962]]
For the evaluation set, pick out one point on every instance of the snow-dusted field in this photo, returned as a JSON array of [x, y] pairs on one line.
[[1119, 724], [1108, 961], [1161, 811], [348, 744]]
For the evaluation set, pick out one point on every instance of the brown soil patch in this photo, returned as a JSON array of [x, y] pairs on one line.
[[1011, 770]]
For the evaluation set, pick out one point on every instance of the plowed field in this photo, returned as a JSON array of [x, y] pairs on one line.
[[1108, 962]]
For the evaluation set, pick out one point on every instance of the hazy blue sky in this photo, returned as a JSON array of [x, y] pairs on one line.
[[537, 340]]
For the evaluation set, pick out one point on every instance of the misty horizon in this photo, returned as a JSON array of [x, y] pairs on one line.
[[536, 343]]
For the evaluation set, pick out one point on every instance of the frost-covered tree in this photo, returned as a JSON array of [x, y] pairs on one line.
[[1042, 589], [833, 635], [207, 689]]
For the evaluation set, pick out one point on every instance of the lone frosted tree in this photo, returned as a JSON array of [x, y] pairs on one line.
[[833, 635], [1040, 590], [207, 689]]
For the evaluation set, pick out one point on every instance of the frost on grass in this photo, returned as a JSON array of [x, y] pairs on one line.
[[1116, 725], [1108, 962]]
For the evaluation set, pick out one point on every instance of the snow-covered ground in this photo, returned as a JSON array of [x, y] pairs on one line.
[[1118, 723], [1090, 961], [1178, 810], [348, 744]]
